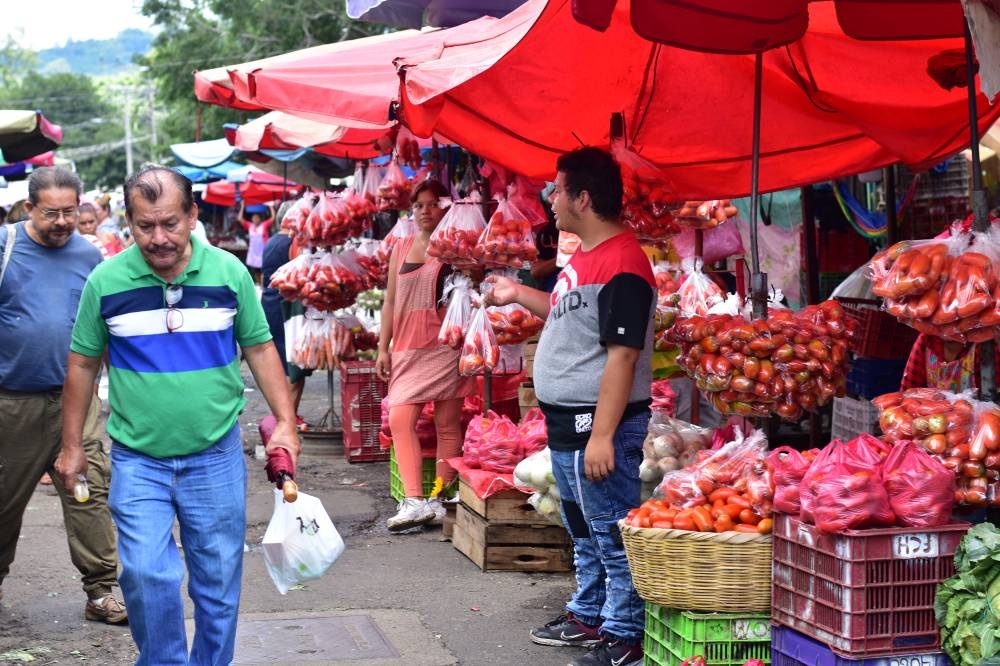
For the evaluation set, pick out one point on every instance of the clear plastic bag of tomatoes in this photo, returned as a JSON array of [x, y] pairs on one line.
[[330, 222], [289, 278], [296, 216], [408, 149], [369, 183], [404, 228], [332, 282], [507, 241], [704, 214], [480, 350], [844, 489], [456, 236], [697, 294], [513, 324], [568, 244], [921, 490], [457, 317], [394, 190], [376, 271], [647, 197], [788, 467], [525, 194]]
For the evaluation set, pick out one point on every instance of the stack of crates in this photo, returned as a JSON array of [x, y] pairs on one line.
[[361, 393], [723, 639], [861, 597]]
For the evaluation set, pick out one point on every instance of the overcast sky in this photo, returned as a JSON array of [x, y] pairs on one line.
[[53, 22]]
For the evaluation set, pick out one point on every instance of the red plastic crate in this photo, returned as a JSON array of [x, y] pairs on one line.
[[361, 393], [880, 335], [862, 592]]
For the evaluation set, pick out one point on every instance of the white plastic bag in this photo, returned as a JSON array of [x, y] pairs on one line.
[[301, 542]]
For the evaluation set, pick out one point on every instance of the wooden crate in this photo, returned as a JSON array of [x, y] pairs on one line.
[[511, 546], [448, 527], [507, 506]]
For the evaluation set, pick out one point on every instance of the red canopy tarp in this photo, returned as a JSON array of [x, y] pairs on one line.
[[259, 187], [543, 84], [281, 131]]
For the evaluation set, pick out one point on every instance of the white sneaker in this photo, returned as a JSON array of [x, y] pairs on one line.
[[437, 507], [413, 512]]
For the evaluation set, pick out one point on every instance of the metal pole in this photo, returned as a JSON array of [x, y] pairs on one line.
[[128, 131], [151, 100], [812, 252], [980, 212], [758, 280], [980, 205], [889, 190]]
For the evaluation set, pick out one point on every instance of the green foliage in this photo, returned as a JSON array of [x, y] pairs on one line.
[[966, 604], [204, 34]]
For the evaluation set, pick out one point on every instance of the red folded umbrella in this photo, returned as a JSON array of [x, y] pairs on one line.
[[279, 466]]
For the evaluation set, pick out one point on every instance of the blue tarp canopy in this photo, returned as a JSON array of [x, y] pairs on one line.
[[198, 175]]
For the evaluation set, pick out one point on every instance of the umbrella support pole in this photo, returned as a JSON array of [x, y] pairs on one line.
[[980, 212], [758, 280]]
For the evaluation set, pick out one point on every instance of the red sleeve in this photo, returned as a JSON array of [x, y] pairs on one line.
[[915, 374], [245, 224]]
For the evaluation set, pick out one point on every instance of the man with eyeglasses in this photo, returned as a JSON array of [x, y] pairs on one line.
[[170, 312], [45, 265]]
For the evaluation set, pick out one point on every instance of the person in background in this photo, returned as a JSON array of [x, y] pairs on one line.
[[107, 230], [418, 368], [277, 252], [39, 293], [592, 377], [86, 225], [945, 365], [544, 270], [258, 230], [171, 313], [18, 211]]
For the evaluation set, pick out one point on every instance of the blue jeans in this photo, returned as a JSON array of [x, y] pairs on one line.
[[206, 493], [591, 511]]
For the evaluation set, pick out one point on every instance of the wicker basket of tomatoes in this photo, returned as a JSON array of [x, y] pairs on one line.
[[706, 571], [704, 542]]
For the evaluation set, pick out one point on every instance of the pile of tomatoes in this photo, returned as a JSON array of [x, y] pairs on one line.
[[963, 434], [790, 362], [955, 297], [507, 242], [723, 510]]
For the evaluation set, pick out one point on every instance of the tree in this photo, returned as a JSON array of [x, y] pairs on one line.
[[202, 34]]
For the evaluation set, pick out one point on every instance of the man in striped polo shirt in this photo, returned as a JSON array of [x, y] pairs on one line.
[[169, 313]]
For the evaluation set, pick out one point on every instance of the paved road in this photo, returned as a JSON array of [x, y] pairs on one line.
[[391, 599]]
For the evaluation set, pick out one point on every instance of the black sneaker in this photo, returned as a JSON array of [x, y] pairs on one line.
[[612, 653], [566, 630]]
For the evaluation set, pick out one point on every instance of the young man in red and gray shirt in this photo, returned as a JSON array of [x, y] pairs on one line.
[[592, 378]]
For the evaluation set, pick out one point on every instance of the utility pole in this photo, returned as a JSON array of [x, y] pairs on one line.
[[151, 101], [128, 131]]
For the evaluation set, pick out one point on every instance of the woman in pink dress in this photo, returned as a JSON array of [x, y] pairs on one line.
[[418, 368], [258, 230]]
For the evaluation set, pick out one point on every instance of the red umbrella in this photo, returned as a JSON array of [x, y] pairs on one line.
[[832, 105], [25, 134], [260, 187]]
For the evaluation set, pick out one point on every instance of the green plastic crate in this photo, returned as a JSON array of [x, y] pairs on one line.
[[723, 639], [396, 482]]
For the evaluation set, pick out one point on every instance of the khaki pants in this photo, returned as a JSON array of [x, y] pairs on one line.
[[30, 437]]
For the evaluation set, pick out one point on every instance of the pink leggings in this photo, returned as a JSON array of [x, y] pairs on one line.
[[447, 423]]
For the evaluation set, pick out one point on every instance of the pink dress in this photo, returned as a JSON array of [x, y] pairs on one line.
[[423, 370]]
